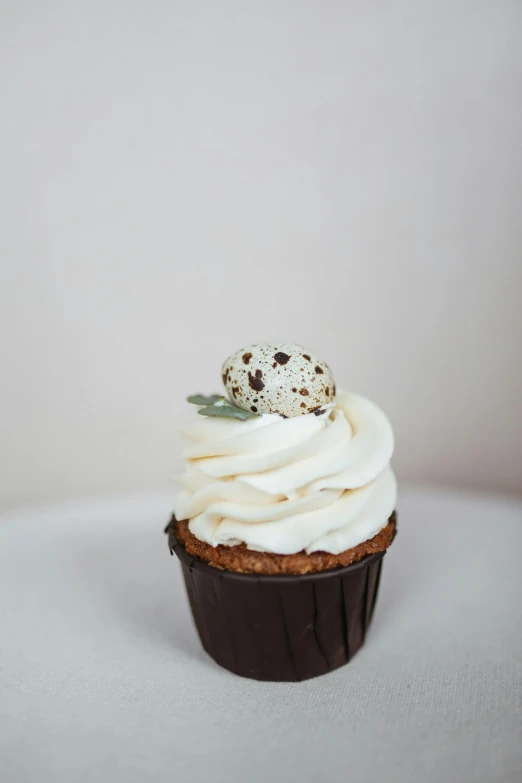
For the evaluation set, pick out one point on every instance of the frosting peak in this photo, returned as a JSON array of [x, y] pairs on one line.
[[315, 482]]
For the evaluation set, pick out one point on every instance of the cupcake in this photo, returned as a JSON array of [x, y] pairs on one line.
[[285, 512]]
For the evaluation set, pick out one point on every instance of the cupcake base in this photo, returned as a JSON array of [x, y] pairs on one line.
[[246, 561], [283, 628]]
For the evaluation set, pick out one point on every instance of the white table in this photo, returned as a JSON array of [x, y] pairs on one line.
[[103, 677]]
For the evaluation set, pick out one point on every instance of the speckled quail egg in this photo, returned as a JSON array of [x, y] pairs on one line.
[[285, 379]]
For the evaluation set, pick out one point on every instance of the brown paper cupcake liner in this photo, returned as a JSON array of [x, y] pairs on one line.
[[281, 628]]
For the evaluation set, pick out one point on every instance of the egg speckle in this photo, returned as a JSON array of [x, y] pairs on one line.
[[271, 378]]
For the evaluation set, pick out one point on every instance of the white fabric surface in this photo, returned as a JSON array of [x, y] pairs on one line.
[[103, 677]]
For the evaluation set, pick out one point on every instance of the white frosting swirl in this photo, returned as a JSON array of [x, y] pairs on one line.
[[318, 483]]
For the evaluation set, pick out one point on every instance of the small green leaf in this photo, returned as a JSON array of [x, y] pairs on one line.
[[218, 406], [226, 412], [201, 399]]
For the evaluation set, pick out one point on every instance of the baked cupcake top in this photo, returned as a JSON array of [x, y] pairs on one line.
[[283, 463]]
